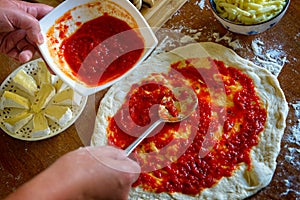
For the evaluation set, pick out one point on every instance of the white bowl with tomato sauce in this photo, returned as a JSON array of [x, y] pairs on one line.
[[91, 44]]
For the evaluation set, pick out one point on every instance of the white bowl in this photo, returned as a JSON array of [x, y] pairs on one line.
[[69, 16], [248, 29]]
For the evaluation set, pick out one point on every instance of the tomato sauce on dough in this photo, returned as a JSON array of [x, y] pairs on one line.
[[243, 118], [102, 49]]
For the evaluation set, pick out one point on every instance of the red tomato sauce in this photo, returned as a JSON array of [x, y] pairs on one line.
[[102, 49], [191, 173]]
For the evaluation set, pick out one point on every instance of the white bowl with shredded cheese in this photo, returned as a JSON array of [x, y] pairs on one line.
[[249, 17]]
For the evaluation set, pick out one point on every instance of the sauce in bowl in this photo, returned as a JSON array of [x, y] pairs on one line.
[[91, 44], [102, 49]]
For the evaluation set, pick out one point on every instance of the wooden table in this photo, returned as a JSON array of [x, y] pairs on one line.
[[21, 160]]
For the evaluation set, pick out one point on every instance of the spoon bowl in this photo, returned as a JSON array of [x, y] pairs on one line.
[[170, 110]]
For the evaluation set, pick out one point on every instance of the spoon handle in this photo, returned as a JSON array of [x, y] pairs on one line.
[[133, 145]]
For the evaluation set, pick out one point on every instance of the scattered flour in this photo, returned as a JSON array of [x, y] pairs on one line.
[[293, 138], [295, 129], [201, 3], [235, 44], [297, 36], [175, 37], [289, 185], [270, 59], [292, 156]]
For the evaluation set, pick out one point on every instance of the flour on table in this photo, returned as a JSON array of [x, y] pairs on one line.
[[273, 59], [234, 44], [292, 155], [176, 37], [297, 36], [201, 4], [289, 185], [270, 59]]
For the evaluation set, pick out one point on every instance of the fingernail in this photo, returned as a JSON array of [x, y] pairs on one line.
[[40, 38], [24, 57]]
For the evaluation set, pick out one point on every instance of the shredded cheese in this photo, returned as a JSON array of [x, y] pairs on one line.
[[249, 11]]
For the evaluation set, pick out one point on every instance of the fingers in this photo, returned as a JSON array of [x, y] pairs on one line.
[[30, 25], [115, 159], [95, 173], [23, 55], [20, 29], [37, 10], [26, 51], [27, 18], [10, 40], [15, 45], [14, 53]]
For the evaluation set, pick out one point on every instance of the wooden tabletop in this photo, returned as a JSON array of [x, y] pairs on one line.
[[22, 160]]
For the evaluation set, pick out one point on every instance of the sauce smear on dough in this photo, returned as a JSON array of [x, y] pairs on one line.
[[102, 49], [242, 118]]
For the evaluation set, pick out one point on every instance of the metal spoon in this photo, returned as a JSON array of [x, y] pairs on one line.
[[187, 103]]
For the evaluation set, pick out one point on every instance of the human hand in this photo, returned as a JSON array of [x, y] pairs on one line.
[[100, 173], [87, 173], [19, 28]]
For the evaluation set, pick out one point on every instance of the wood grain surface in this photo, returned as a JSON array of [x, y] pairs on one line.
[[21, 160]]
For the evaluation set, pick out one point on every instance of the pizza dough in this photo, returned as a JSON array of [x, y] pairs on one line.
[[243, 182]]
